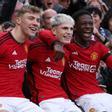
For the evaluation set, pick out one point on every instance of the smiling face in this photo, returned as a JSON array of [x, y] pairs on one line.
[[64, 32], [96, 20], [49, 3], [29, 23], [84, 27]]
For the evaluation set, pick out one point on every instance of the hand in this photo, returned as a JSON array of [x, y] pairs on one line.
[[59, 51], [109, 44], [95, 31], [98, 35], [104, 6]]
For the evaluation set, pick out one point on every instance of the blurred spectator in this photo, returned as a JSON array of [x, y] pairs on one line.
[[46, 16], [52, 4], [7, 8], [36, 3], [48, 4], [94, 3], [108, 2], [107, 78], [74, 6], [20, 3], [65, 3], [107, 21], [101, 33], [99, 4], [7, 26], [44, 4]]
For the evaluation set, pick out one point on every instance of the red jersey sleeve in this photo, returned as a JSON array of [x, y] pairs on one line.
[[47, 36], [109, 61]]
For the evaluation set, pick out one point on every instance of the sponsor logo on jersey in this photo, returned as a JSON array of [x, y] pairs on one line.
[[82, 67], [94, 56], [49, 72], [14, 52], [18, 64]]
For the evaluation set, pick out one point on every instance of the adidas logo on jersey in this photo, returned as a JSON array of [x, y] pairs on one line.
[[48, 59], [14, 52], [75, 53]]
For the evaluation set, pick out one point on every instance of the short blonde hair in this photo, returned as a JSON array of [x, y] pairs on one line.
[[27, 9], [61, 19]]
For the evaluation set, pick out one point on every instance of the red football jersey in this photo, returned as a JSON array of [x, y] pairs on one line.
[[47, 73], [12, 66], [82, 66]]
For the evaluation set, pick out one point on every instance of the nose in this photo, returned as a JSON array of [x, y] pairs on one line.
[[89, 25], [36, 22], [70, 30]]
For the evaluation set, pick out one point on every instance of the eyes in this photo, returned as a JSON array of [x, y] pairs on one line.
[[38, 19], [67, 28], [33, 18], [87, 23]]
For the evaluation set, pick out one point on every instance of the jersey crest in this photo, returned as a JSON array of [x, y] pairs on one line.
[[94, 56]]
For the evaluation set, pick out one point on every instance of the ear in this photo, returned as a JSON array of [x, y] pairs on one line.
[[54, 30], [18, 20]]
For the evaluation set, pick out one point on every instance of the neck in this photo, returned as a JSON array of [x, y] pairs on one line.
[[18, 35], [81, 42]]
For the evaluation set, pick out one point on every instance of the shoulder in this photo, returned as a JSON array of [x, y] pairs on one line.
[[48, 34], [44, 31], [4, 36], [37, 43]]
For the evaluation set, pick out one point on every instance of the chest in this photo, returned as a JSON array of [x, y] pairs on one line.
[[85, 56], [14, 53]]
